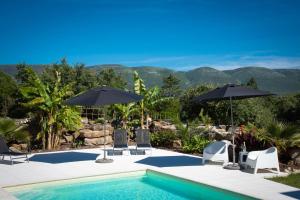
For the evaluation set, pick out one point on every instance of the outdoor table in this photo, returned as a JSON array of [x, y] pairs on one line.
[[243, 158]]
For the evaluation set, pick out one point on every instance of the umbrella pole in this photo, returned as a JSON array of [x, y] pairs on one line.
[[104, 159], [104, 132], [232, 166], [232, 132]]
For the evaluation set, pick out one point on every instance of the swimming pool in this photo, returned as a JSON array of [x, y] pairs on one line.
[[135, 185]]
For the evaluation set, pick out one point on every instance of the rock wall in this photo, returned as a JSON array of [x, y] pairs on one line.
[[91, 134]]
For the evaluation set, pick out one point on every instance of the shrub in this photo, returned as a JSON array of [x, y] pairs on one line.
[[163, 138], [11, 132], [196, 144]]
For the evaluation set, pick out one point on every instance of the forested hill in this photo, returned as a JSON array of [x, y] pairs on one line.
[[281, 81]]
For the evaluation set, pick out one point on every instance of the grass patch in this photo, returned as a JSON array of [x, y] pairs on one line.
[[292, 180]]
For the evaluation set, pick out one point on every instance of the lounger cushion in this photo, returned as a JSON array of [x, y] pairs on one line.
[[120, 146]]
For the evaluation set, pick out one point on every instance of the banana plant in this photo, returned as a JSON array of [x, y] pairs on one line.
[[151, 97], [126, 111], [47, 102]]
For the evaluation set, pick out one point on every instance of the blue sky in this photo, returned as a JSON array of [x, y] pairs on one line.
[[178, 34]]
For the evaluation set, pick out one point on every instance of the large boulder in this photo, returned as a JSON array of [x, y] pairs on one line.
[[100, 127], [86, 133], [97, 141]]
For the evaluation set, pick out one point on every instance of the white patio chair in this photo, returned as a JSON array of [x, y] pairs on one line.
[[263, 159], [217, 152]]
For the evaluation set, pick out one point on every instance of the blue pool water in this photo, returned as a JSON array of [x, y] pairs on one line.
[[150, 185]]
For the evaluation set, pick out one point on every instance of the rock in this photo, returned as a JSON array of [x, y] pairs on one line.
[[97, 141], [223, 127], [97, 127], [62, 141], [295, 155], [87, 126], [13, 148], [16, 146], [20, 147], [76, 134], [93, 134], [68, 138], [24, 146], [84, 120], [177, 144], [84, 132], [162, 125]]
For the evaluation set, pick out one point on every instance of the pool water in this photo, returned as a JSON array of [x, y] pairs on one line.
[[147, 185]]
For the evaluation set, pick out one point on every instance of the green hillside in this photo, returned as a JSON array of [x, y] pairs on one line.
[[281, 81]]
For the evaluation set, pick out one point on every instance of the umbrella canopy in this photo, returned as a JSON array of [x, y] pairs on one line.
[[103, 96], [231, 91]]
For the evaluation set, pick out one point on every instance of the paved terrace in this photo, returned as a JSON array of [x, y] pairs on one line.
[[80, 163]]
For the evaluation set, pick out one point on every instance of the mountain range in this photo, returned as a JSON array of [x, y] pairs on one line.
[[280, 81]]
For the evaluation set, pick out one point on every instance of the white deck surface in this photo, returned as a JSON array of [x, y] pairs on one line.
[[80, 163]]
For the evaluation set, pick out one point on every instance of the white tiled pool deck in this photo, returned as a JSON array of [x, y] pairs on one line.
[[81, 163]]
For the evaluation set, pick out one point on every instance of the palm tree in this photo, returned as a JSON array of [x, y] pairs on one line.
[[47, 103], [283, 135]]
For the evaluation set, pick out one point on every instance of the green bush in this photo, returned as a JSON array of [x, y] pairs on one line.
[[163, 138], [196, 144]]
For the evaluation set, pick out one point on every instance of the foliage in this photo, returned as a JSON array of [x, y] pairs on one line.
[[80, 77], [126, 111], [166, 110], [8, 91], [171, 86], [48, 103], [252, 83], [204, 118], [190, 108], [283, 135], [196, 144], [83, 79], [11, 132], [151, 97], [63, 68], [292, 180], [163, 138], [24, 74], [109, 77], [287, 108], [253, 110]]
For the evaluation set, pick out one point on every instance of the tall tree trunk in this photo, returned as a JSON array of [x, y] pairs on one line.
[[147, 120], [44, 141], [49, 141]]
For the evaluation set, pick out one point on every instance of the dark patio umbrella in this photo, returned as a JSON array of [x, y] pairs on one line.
[[103, 96], [231, 92]]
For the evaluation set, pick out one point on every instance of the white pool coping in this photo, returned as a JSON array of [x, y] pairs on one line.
[[214, 175]]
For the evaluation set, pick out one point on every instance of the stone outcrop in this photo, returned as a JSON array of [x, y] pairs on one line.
[[98, 141], [163, 125], [91, 134]]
